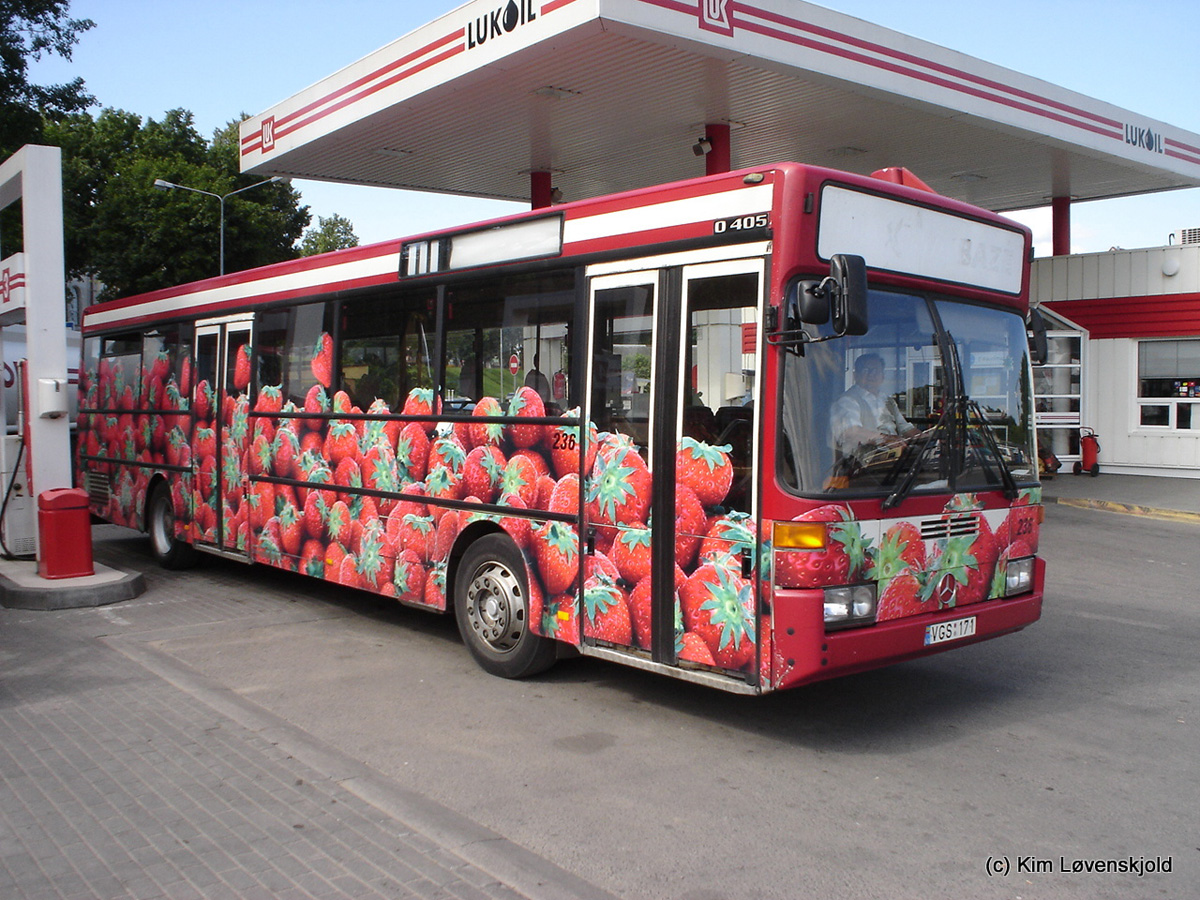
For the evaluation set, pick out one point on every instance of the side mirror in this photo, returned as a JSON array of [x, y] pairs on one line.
[[810, 304], [1039, 344], [841, 295], [849, 289]]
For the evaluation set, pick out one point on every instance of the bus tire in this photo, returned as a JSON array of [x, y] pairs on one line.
[[170, 552], [491, 606]]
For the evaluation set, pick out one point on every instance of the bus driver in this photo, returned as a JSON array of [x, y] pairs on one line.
[[863, 417]]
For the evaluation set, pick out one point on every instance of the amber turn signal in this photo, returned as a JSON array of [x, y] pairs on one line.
[[800, 535]]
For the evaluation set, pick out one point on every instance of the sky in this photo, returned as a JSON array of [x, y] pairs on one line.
[[221, 58]]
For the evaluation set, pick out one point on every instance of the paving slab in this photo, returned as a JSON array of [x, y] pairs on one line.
[[126, 774]]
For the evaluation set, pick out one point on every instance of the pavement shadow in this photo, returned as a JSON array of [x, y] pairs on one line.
[[907, 706]]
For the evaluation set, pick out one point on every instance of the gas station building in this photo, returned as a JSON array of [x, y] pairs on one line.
[[1124, 355]]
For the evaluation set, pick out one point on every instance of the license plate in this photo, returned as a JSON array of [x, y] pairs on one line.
[[949, 631]]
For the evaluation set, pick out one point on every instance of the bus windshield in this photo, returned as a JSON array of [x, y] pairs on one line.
[[935, 397]]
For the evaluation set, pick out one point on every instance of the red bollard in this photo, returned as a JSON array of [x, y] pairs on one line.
[[64, 534]]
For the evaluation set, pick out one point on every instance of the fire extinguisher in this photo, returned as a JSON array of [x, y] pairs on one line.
[[1089, 451]]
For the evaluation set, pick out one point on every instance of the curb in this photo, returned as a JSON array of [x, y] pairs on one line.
[[1131, 509]]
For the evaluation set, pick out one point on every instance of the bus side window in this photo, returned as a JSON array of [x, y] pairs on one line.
[[120, 372], [162, 356], [497, 320], [270, 343], [311, 356], [386, 349]]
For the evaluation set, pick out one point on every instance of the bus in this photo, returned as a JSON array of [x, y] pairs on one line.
[[619, 427]]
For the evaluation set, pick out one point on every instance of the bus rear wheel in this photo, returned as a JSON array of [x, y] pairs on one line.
[[491, 605], [170, 552]]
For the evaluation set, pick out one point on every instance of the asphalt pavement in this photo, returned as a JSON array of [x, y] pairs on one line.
[[124, 773]]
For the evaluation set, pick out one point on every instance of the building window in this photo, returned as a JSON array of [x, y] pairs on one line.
[[1169, 385]]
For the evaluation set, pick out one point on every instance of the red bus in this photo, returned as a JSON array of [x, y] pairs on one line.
[[752, 430]]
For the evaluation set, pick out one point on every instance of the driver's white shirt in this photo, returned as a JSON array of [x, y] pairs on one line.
[[859, 408]]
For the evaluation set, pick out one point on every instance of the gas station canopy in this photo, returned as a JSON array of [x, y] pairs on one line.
[[608, 95]]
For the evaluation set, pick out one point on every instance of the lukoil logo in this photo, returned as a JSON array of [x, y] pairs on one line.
[[714, 16], [268, 134], [1145, 138], [501, 21]]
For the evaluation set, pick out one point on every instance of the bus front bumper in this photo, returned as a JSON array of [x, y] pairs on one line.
[[804, 652]]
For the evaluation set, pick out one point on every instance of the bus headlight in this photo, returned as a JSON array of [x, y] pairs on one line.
[[850, 605], [1018, 576]]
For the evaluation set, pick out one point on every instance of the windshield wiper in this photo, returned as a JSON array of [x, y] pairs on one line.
[[905, 486], [1010, 483]]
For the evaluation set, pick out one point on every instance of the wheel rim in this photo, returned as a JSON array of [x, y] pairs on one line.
[[496, 607], [162, 526]]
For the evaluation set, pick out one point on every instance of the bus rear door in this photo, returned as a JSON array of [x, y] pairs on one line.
[[220, 437]]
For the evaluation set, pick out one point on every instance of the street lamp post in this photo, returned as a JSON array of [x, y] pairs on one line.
[[171, 186]]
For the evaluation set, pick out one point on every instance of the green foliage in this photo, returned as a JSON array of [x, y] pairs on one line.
[[133, 237], [460, 345], [639, 365], [501, 383], [29, 30], [332, 233]]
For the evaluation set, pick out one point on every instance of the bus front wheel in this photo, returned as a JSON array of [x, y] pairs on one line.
[[491, 605], [170, 552]]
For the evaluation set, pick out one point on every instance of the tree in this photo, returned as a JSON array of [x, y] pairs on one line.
[[135, 238], [332, 233], [29, 30]]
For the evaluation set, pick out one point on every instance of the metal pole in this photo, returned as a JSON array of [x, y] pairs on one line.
[[1060, 225], [171, 186]]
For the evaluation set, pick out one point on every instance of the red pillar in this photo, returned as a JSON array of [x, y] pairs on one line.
[[717, 159], [539, 190], [1060, 226]]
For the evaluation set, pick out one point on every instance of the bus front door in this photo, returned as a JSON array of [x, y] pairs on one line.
[[220, 436], [670, 501]]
